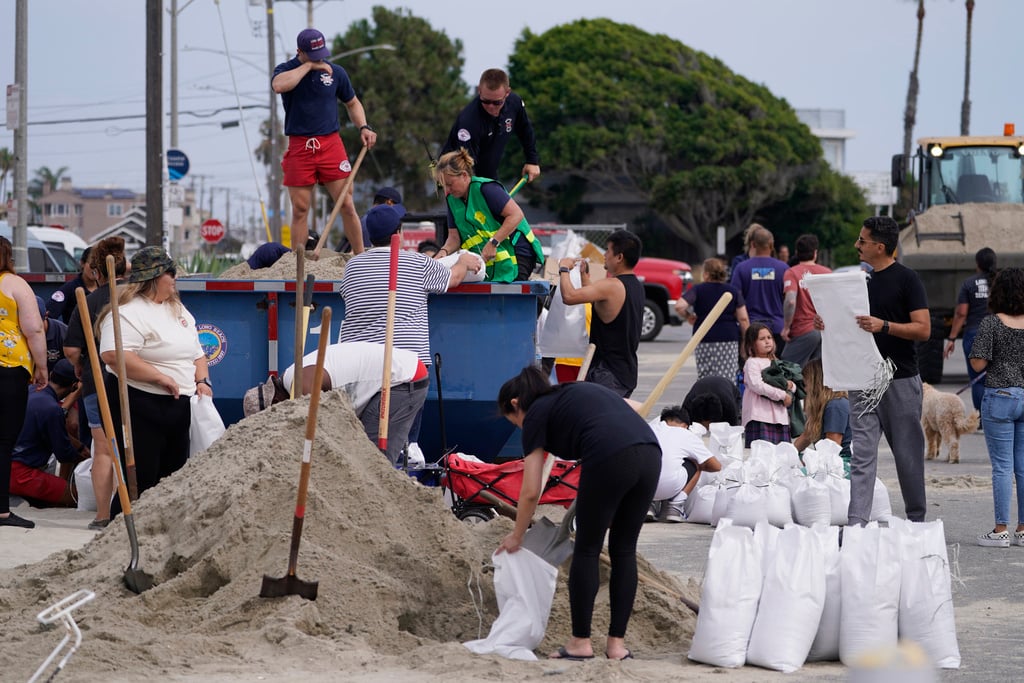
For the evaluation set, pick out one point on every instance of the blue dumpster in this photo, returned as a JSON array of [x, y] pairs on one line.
[[485, 333]]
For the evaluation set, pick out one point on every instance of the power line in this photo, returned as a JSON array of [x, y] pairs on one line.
[[95, 119]]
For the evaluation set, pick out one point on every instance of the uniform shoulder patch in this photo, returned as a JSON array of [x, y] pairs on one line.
[[463, 135]]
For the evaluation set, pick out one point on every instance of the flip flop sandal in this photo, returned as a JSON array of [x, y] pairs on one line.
[[565, 654]]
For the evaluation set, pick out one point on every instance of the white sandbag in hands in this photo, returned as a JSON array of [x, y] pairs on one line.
[[451, 259]]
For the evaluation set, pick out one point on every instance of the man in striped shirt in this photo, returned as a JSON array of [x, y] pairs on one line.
[[364, 287]]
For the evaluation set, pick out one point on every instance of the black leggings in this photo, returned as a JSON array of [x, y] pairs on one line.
[[13, 399], [160, 431], [614, 495]]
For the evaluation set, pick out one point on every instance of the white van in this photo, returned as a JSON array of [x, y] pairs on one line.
[[59, 238], [40, 258]]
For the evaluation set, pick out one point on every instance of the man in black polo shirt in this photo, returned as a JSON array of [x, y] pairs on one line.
[[483, 127]]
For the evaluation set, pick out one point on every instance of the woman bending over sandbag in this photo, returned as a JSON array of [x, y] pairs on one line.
[[621, 462]]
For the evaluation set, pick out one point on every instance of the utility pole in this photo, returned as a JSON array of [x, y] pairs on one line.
[[20, 233], [274, 181], [154, 124]]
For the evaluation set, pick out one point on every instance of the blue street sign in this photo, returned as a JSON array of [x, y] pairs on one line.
[[177, 164]]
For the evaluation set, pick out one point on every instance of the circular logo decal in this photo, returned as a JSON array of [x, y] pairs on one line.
[[463, 135], [213, 341], [345, 166]]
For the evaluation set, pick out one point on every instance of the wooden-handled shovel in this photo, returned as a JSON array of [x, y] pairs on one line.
[[122, 383], [345, 189], [389, 343], [290, 584], [136, 579]]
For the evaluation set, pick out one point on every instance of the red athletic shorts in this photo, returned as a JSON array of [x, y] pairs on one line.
[[311, 160], [28, 482]]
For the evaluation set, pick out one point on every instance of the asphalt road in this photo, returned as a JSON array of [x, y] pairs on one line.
[[988, 583]]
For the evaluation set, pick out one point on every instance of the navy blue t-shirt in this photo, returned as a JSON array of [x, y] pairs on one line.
[[583, 421], [310, 108], [974, 293], [703, 298]]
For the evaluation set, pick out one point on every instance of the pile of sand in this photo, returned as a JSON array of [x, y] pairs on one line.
[[395, 569], [330, 266]]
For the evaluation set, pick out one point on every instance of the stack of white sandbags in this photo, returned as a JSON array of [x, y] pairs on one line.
[[769, 483], [779, 598]]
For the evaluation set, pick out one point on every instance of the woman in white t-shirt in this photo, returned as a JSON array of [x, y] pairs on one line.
[[164, 363]]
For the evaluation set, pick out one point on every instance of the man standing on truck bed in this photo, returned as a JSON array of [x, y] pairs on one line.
[[899, 318], [618, 302], [310, 88], [483, 127]]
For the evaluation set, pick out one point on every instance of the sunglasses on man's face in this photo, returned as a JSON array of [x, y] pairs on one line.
[[493, 103]]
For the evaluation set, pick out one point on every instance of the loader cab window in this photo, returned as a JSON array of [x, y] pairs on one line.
[[987, 175]]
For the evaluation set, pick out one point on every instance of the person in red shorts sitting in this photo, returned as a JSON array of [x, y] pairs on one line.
[[44, 432]]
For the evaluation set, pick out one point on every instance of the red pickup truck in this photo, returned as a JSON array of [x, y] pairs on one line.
[[664, 282]]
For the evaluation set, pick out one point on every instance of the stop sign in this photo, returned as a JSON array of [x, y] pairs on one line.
[[212, 230]]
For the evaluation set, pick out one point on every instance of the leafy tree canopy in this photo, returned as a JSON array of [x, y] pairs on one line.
[[411, 96], [620, 111]]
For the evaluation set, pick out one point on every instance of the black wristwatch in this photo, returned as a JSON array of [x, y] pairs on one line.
[[367, 127], [951, 340], [494, 242], [563, 269], [885, 327], [206, 381]]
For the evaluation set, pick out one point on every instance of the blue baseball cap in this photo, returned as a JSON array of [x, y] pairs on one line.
[[313, 43], [383, 221]]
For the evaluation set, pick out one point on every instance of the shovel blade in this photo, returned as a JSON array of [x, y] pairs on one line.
[[288, 585], [548, 541], [137, 580]]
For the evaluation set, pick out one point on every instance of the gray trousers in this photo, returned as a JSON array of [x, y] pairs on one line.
[[404, 403], [898, 417], [803, 349]]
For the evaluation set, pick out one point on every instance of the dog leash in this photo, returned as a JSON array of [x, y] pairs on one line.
[[971, 383]]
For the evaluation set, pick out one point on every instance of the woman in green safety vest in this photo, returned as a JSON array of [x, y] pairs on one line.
[[484, 219]]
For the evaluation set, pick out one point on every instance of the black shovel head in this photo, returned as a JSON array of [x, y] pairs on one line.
[[549, 541], [288, 585], [137, 580]]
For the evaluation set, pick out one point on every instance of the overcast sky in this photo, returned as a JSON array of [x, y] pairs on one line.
[[87, 59]]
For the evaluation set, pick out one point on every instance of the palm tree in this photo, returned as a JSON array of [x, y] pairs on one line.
[[910, 113], [45, 180], [965, 108]]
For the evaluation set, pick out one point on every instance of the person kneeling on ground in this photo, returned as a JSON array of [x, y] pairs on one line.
[[683, 457], [43, 433], [355, 367]]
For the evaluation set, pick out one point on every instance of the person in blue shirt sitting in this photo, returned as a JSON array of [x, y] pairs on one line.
[[44, 432]]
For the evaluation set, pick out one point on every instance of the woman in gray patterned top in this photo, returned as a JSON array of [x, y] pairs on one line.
[[997, 350]]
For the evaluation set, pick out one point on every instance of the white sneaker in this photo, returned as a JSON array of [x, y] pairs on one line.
[[415, 455], [652, 511], [672, 512], [995, 539], [1018, 537]]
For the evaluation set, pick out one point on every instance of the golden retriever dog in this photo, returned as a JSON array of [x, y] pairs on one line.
[[945, 419]]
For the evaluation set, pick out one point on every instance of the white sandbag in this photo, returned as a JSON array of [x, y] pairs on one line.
[[728, 604], [83, 483], [748, 505], [766, 537], [871, 570], [207, 425], [778, 505], [761, 450], [562, 328], [451, 259], [725, 441], [524, 585], [792, 600], [700, 504], [881, 507], [825, 647], [839, 500], [926, 597], [786, 455], [811, 503], [722, 497]]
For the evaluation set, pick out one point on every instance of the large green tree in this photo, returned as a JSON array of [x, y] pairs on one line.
[[411, 96], [620, 112]]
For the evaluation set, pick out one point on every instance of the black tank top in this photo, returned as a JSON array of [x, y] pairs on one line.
[[618, 340]]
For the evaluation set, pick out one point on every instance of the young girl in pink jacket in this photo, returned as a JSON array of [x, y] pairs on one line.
[[765, 407]]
